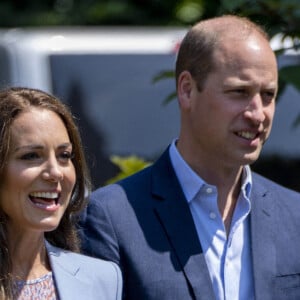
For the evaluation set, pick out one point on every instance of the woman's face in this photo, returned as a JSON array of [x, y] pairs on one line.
[[39, 175]]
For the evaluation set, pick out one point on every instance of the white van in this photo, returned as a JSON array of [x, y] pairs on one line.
[[105, 75]]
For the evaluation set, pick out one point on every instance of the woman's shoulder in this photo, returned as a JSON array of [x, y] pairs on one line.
[[103, 278], [88, 263]]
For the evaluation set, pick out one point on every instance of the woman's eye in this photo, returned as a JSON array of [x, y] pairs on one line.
[[66, 156], [30, 156]]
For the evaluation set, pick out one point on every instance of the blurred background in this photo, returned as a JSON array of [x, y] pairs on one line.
[[113, 61]]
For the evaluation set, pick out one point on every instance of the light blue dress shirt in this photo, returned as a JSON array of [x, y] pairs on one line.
[[228, 258]]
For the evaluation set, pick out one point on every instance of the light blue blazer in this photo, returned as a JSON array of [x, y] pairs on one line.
[[81, 277]]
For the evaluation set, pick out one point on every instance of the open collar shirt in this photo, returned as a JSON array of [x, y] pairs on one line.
[[228, 258]]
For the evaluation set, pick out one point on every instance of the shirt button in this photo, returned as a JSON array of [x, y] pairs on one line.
[[212, 215], [209, 190]]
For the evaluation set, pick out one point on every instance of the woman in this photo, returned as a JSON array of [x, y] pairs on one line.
[[43, 185]]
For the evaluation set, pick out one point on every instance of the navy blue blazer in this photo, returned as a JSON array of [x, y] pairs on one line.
[[144, 224]]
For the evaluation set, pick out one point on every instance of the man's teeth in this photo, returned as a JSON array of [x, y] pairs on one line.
[[247, 135], [47, 195]]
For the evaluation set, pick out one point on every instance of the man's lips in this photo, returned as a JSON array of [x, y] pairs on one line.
[[248, 135]]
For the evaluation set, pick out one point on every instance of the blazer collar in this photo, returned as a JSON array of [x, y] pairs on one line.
[[263, 217], [174, 214], [66, 274]]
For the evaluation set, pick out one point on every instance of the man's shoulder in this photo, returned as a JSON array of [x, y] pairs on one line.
[[137, 182], [122, 195], [262, 182], [117, 189]]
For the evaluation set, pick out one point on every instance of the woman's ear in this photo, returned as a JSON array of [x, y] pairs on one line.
[[185, 86]]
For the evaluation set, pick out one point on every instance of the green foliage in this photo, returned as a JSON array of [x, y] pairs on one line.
[[277, 16], [231, 5], [163, 75], [290, 74], [167, 74], [127, 165], [189, 11]]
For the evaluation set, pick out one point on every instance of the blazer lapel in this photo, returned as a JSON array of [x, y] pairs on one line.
[[262, 235], [65, 271], [176, 218]]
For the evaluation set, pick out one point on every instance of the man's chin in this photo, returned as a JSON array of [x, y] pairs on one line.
[[251, 158]]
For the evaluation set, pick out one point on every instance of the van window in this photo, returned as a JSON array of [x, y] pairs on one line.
[[119, 109], [5, 69]]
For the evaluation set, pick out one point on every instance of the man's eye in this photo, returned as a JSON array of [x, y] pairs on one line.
[[268, 96], [30, 156], [240, 91]]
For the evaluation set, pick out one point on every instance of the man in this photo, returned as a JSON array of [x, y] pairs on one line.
[[198, 224]]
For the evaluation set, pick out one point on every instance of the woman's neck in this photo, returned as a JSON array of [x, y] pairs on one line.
[[29, 258]]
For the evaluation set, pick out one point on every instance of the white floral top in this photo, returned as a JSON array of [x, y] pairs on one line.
[[36, 289]]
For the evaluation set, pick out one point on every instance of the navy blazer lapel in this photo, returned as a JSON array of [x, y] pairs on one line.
[[65, 270], [263, 217], [176, 218]]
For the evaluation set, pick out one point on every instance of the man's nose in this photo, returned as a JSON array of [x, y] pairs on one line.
[[255, 110]]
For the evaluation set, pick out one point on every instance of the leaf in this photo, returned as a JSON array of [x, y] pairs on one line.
[[231, 5], [167, 74], [128, 165], [296, 122], [189, 11], [170, 98], [281, 87], [290, 74]]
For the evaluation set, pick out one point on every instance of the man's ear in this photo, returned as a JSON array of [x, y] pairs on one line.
[[185, 86]]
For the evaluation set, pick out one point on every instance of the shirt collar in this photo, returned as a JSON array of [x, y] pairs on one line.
[[247, 181], [191, 182]]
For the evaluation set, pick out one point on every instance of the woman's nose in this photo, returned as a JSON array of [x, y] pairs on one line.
[[53, 170]]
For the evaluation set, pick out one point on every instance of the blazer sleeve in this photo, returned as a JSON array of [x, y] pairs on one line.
[[104, 278], [96, 229]]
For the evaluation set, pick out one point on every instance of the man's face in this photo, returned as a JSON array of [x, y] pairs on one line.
[[228, 121]]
